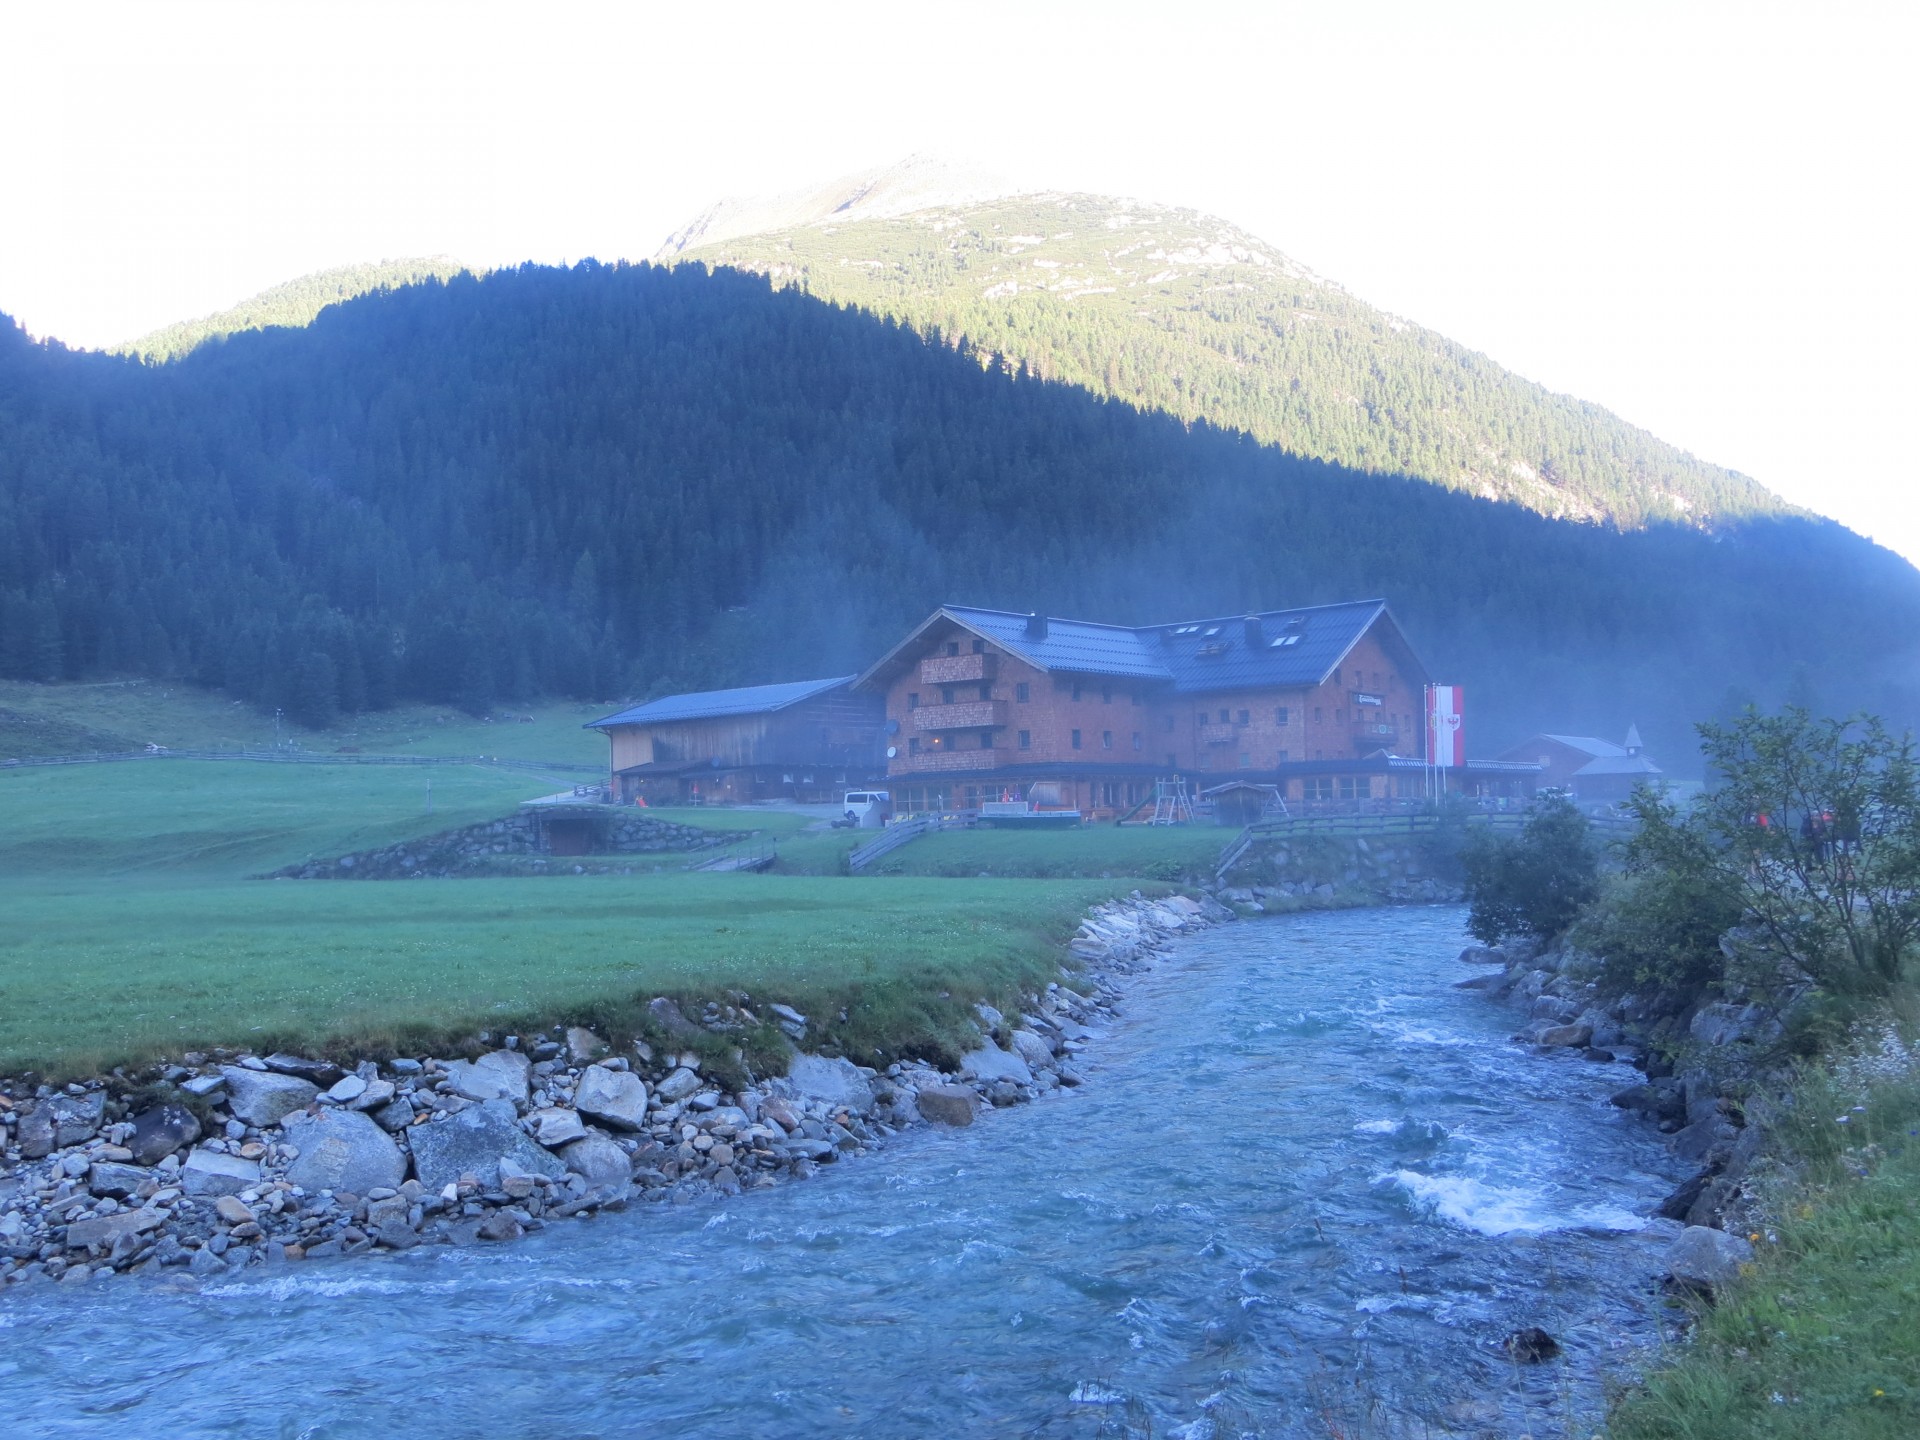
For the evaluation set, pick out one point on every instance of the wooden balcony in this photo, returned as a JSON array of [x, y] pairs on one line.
[[1218, 734], [940, 762], [957, 669], [967, 715]]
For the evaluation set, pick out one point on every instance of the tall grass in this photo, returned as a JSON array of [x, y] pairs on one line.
[[1823, 1338]]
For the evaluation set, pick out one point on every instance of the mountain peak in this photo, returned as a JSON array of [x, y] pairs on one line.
[[919, 182]]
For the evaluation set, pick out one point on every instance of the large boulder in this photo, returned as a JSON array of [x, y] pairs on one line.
[[497, 1075], [1707, 1259], [990, 1063], [473, 1143], [160, 1130], [208, 1174], [1033, 1049], [1568, 1036], [617, 1098], [60, 1121], [835, 1083], [556, 1125], [107, 1177], [105, 1230], [948, 1104], [265, 1097], [600, 1162], [583, 1046], [343, 1150]]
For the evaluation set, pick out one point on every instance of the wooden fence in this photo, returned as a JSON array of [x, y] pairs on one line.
[[892, 838]]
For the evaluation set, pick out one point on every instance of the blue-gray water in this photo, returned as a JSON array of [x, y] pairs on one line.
[[1306, 1182]]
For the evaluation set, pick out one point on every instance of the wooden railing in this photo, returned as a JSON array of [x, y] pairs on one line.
[[892, 838], [1371, 826]]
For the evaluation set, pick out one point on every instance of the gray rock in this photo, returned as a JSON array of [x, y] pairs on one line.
[[1573, 1036], [669, 1017], [600, 1162], [60, 1121], [105, 1177], [948, 1104], [203, 1085], [990, 1063], [161, 1130], [1726, 1024], [262, 1097], [1698, 1141], [108, 1230], [1480, 955], [1707, 1259], [497, 1075], [837, 1083], [1033, 1049], [207, 1174], [677, 1086], [377, 1094], [613, 1097], [318, 1073], [473, 1143], [556, 1125], [788, 1014], [343, 1150], [347, 1089], [395, 1115], [583, 1046]]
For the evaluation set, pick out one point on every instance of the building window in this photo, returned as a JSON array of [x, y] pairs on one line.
[[1356, 787], [1319, 714], [1106, 694], [913, 745], [1106, 739], [986, 739], [1201, 718], [1283, 757], [1280, 715], [1139, 741], [1340, 716], [1076, 689], [1246, 761], [1022, 693], [1317, 787], [979, 647], [1026, 739], [1223, 715], [953, 648], [946, 694], [1336, 674], [1245, 717], [1076, 739], [986, 692]]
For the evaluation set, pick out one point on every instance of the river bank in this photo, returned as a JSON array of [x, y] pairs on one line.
[[1307, 1184], [230, 1160]]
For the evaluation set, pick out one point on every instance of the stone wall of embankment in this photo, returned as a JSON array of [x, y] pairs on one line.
[[514, 842], [1303, 871]]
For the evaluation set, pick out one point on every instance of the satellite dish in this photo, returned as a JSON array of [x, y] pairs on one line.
[[893, 727], [892, 750]]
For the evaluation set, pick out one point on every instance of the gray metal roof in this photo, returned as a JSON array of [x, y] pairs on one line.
[[709, 704], [1283, 648], [1586, 744], [1621, 764]]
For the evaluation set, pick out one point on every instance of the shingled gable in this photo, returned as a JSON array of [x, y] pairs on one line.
[[1297, 647]]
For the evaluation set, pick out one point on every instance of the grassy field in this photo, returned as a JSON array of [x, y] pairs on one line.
[[96, 973], [219, 819], [131, 931], [1824, 1338], [120, 716], [1087, 852]]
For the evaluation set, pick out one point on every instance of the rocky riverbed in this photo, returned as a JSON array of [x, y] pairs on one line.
[[230, 1161]]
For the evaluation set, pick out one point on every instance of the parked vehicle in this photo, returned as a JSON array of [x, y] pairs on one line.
[[867, 809]]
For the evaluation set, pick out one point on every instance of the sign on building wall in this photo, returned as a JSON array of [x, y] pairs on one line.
[[1446, 738]]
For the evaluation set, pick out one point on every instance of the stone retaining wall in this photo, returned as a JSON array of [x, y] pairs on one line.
[[1285, 873], [496, 844]]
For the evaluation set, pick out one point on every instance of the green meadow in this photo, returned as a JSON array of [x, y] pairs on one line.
[[132, 931]]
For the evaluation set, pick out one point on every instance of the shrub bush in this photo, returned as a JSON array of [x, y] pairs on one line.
[[1533, 883]]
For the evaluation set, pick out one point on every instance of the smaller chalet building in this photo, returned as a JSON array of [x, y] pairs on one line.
[[1594, 771], [806, 740], [1325, 705]]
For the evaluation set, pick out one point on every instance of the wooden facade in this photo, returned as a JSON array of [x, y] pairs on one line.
[[809, 741]]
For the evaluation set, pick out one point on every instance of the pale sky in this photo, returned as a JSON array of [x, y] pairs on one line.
[[1701, 216]]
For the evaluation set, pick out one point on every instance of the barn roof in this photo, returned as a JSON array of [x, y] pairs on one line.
[[1272, 648], [1586, 745], [710, 704], [1621, 764]]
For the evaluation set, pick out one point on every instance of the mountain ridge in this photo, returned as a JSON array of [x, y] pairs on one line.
[[1170, 309]]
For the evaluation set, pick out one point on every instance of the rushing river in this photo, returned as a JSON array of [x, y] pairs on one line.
[[1308, 1185]]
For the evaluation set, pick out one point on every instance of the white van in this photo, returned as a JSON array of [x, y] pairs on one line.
[[867, 809]]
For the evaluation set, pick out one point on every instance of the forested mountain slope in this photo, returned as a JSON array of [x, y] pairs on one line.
[[293, 304], [1175, 311], [611, 481]]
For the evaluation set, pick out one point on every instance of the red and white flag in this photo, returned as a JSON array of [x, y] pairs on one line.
[[1446, 740]]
